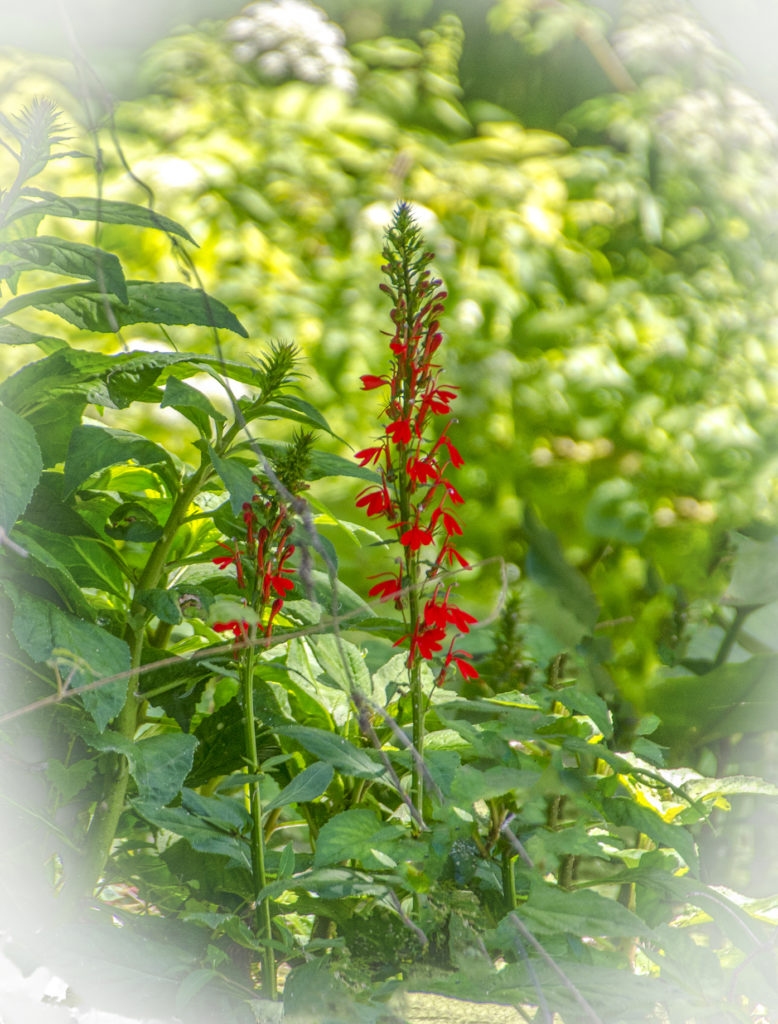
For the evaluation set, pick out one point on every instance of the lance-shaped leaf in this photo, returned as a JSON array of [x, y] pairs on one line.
[[148, 302], [335, 750], [107, 211], [74, 259], [306, 786], [11, 334]]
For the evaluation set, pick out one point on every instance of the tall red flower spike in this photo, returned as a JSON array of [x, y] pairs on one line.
[[415, 496]]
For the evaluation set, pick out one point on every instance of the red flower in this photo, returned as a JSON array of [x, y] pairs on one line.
[[426, 641], [458, 657], [238, 629], [386, 589], [368, 455], [450, 522], [416, 537], [375, 500], [456, 458], [421, 470], [450, 552], [439, 401], [234, 559], [280, 584], [369, 382], [399, 431]]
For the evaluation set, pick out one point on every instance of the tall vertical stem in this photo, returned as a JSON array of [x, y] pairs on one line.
[[262, 910]]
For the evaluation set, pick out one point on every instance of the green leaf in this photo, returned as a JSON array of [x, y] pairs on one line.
[[583, 703], [198, 832], [106, 211], [290, 407], [551, 911], [739, 697], [148, 302], [329, 883], [350, 835], [74, 259], [471, 784], [547, 566], [90, 653], [94, 448], [43, 564], [614, 513], [20, 466], [755, 575], [190, 403], [343, 662], [238, 479], [335, 750], [310, 783], [162, 603], [10, 334], [69, 780], [625, 811]]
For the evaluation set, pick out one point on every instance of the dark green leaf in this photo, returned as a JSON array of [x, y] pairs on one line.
[[335, 750], [20, 466], [94, 448], [190, 403], [107, 211], [551, 911], [547, 565], [161, 603], [739, 697], [310, 783], [83, 653], [10, 334], [148, 302], [237, 478], [351, 835], [200, 834], [73, 259]]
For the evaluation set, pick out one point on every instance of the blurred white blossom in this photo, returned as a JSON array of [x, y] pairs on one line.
[[660, 37], [292, 39]]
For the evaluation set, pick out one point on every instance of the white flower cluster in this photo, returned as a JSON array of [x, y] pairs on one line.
[[711, 125], [292, 39], [663, 39]]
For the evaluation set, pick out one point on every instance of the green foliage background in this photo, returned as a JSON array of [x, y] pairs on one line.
[[610, 322], [612, 287]]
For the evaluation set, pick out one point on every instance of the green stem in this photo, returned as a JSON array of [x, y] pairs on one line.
[[262, 910], [509, 880], [102, 829]]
